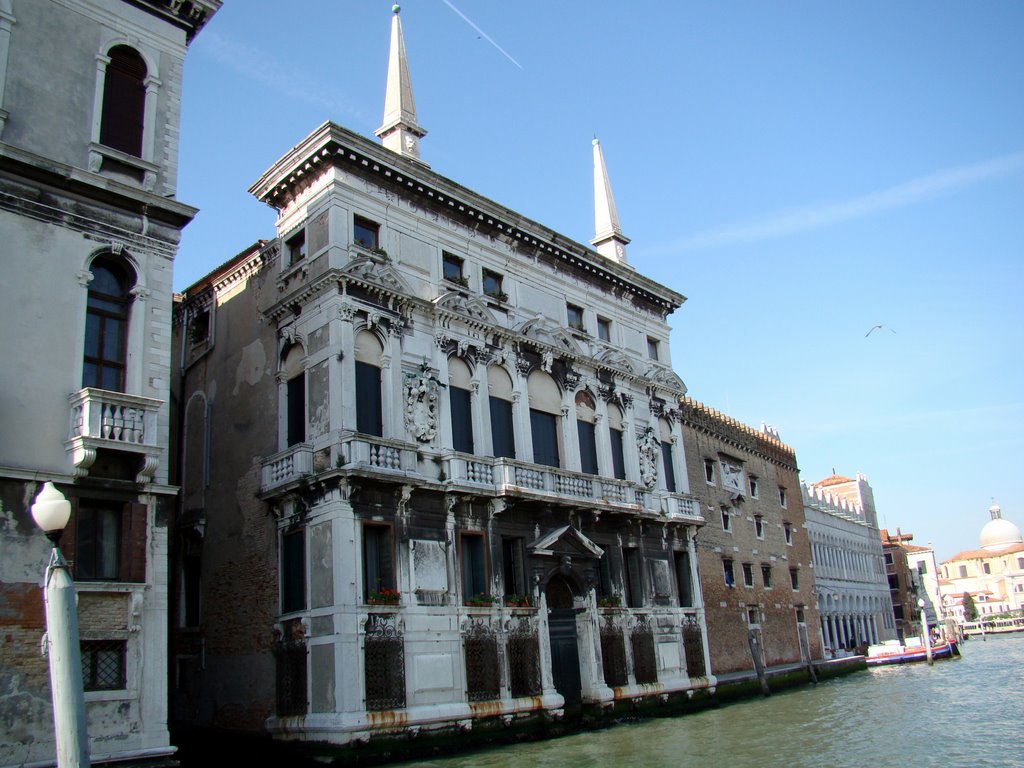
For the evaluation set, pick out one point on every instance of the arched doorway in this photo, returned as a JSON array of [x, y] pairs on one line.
[[565, 656]]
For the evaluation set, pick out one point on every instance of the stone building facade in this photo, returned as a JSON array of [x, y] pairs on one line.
[[90, 93], [754, 554], [432, 461], [902, 585], [849, 569]]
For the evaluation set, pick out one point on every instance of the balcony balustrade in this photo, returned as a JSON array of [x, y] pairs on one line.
[[100, 419]]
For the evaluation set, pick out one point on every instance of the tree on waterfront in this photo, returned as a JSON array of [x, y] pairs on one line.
[[970, 611]]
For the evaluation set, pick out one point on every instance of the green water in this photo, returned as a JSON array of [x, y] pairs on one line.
[[966, 712]]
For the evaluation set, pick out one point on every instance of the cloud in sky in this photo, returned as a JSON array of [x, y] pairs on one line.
[[274, 74], [801, 219]]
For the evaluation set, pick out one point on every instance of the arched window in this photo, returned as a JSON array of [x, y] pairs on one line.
[[292, 365], [615, 432], [459, 401], [503, 442], [666, 455], [369, 403], [106, 326], [545, 411], [124, 101], [586, 417]]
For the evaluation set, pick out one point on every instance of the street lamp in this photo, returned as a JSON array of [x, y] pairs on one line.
[[924, 630], [51, 511]]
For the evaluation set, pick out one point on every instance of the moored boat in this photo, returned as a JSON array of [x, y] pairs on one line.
[[893, 652]]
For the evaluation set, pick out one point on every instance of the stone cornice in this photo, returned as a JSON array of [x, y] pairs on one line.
[[330, 145], [190, 15], [699, 416]]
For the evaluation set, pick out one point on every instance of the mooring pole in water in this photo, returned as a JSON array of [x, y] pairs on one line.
[[755, 654], [805, 651]]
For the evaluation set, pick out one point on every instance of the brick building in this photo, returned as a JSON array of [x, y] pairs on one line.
[[902, 585], [754, 555], [90, 94]]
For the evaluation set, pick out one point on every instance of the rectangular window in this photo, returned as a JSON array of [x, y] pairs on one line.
[[670, 471], [894, 581], [726, 519], [684, 582], [574, 316], [104, 665], [963, 571], [365, 232], [605, 569], [782, 496], [753, 617], [787, 530], [512, 565], [748, 575], [888, 558], [492, 285], [98, 542], [759, 526], [753, 487], [632, 578], [604, 329], [922, 567], [1020, 562], [462, 419], [794, 578], [730, 576], [709, 470], [503, 441], [618, 457], [451, 268], [766, 575], [369, 405], [296, 395], [293, 571], [474, 567], [295, 248], [652, 348], [588, 447], [378, 559], [897, 612], [544, 427], [987, 568]]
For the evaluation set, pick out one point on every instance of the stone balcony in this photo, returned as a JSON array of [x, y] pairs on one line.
[[115, 421], [394, 460]]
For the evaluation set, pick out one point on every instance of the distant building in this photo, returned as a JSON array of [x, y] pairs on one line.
[[902, 585], [993, 575], [432, 464], [90, 94], [849, 568], [754, 554], [924, 569]]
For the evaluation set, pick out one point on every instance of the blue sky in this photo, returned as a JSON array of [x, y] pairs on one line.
[[802, 171]]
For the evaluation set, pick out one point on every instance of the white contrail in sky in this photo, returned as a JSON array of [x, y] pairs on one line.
[[482, 34], [814, 216]]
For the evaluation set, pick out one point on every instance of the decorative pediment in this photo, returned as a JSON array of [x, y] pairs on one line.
[[376, 271], [546, 332], [468, 306], [614, 358], [666, 377], [565, 541]]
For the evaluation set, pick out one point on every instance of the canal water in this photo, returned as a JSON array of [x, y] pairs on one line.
[[966, 712]]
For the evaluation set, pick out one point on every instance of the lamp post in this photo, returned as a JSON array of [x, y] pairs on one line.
[[51, 511], [924, 630]]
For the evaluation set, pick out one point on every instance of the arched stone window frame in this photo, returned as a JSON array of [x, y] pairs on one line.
[[144, 163], [379, 358], [292, 363], [135, 291]]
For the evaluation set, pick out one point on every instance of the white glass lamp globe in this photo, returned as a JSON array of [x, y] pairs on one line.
[[51, 511]]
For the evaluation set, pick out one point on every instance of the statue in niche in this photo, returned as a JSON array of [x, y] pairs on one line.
[[421, 404], [648, 448]]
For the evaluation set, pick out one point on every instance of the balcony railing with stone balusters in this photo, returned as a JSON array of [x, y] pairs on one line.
[[117, 421]]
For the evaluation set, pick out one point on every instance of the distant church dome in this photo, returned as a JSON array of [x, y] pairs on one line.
[[999, 533]]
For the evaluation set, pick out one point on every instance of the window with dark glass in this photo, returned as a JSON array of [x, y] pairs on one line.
[[788, 531], [365, 232], [122, 120], [753, 487], [922, 567], [451, 267], [106, 327], [605, 573], [104, 665], [98, 541], [502, 434], [748, 575], [670, 470], [462, 419], [369, 403], [474, 567], [604, 329], [794, 578], [378, 559], [544, 428], [296, 396], [730, 576], [618, 456], [726, 520], [782, 496], [632, 577], [684, 581], [766, 575], [492, 284], [574, 316], [652, 348], [293, 571], [512, 565], [588, 447], [709, 470], [759, 526], [295, 248], [191, 574]]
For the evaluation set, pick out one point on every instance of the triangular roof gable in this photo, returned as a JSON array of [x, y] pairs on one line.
[[470, 307], [378, 272], [566, 541]]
